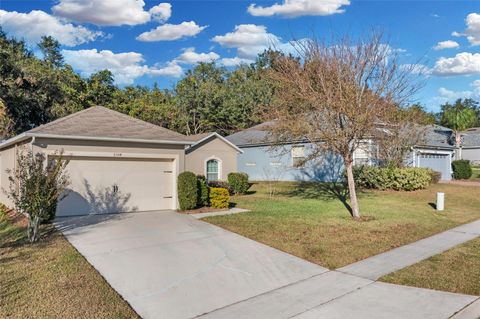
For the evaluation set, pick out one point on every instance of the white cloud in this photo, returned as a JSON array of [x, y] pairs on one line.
[[446, 95], [171, 69], [103, 12], [448, 44], [464, 63], [235, 61], [161, 12], [297, 8], [472, 32], [35, 24], [248, 39], [189, 56], [169, 32], [416, 69], [126, 67]]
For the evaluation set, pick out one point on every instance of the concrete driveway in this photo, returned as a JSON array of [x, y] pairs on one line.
[[168, 265]]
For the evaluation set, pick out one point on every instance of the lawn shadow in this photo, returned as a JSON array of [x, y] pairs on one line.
[[322, 191], [433, 205]]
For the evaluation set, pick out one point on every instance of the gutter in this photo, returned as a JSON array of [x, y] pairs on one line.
[[24, 136]]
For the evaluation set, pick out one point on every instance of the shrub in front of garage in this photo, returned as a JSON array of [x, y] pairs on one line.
[[187, 190], [219, 197], [461, 169], [383, 178], [238, 182], [202, 191]]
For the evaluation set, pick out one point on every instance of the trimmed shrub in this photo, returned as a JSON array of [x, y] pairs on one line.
[[238, 182], [219, 197], [221, 184], [187, 190], [407, 178], [436, 176], [202, 191], [461, 169]]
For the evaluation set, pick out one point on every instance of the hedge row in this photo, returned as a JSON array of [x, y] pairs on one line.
[[407, 178], [194, 191]]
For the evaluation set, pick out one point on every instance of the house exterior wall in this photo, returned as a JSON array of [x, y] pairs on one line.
[[263, 163], [197, 157], [471, 154], [95, 149], [8, 158]]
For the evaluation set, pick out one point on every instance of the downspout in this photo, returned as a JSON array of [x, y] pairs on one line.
[[31, 143]]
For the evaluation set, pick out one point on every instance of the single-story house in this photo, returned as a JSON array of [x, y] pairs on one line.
[[471, 145], [119, 163], [263, 161]]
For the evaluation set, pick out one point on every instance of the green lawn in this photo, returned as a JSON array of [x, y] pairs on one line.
[[475, 172], [456, 270], [309, 221], [50, 279]]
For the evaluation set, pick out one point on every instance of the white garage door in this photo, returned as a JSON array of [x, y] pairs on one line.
[[106, 185], [437, 162]]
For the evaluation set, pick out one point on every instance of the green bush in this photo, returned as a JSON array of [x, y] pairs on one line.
[[407, 178], [219, 197], [461, 169], [187, 190], [221, 184], [202, 191], [238, 182]]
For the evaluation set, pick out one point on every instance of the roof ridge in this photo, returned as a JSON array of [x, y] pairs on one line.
[[158, 127]]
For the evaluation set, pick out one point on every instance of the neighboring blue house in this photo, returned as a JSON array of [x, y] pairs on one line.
[[261, 161]]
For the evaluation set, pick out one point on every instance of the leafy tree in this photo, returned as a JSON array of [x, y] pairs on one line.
[[100, 88], [458, 117], [35, 188], [50, 49]]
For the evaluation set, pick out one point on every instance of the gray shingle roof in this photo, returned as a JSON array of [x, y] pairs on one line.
[[471, 139], [436, 136], [99, 121]]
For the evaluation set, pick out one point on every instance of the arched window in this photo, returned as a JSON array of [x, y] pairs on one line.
[[212, 170]]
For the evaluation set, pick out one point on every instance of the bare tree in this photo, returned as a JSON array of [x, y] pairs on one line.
[[407, 128], [335, 95]]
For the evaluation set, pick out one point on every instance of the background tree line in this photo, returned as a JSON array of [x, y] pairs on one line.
[[35, 90]]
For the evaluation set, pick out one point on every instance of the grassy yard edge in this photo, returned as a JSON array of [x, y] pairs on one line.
[[60, 274]]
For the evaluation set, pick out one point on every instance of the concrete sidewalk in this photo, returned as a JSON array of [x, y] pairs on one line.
[[379, 265]]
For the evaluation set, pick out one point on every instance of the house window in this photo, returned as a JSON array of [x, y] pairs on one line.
[[298, 156], [212, 170]]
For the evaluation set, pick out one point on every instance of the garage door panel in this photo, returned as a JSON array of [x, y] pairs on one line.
[[437, 162], [105, 185]]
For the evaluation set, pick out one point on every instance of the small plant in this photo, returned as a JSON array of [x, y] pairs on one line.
[[36, 185], [238, 182], [436, 176], [187, 190], [221, 184], [219, 197], [202, 190], [462, 169]]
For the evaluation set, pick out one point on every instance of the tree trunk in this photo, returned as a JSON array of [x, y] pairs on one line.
[[458, 140], [351, 190], [32, 231]]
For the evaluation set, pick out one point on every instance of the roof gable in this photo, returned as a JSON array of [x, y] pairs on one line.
[[203, 138], [101, 122]]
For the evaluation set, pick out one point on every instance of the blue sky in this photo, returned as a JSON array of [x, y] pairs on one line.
[[122, 35]]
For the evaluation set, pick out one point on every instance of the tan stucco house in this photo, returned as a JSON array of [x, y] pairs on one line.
[[119, 163]]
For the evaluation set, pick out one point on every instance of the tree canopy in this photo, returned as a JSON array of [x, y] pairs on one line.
[[35, 90]]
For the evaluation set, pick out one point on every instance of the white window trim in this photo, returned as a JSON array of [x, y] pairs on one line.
[[220, 166], [292, 157]]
